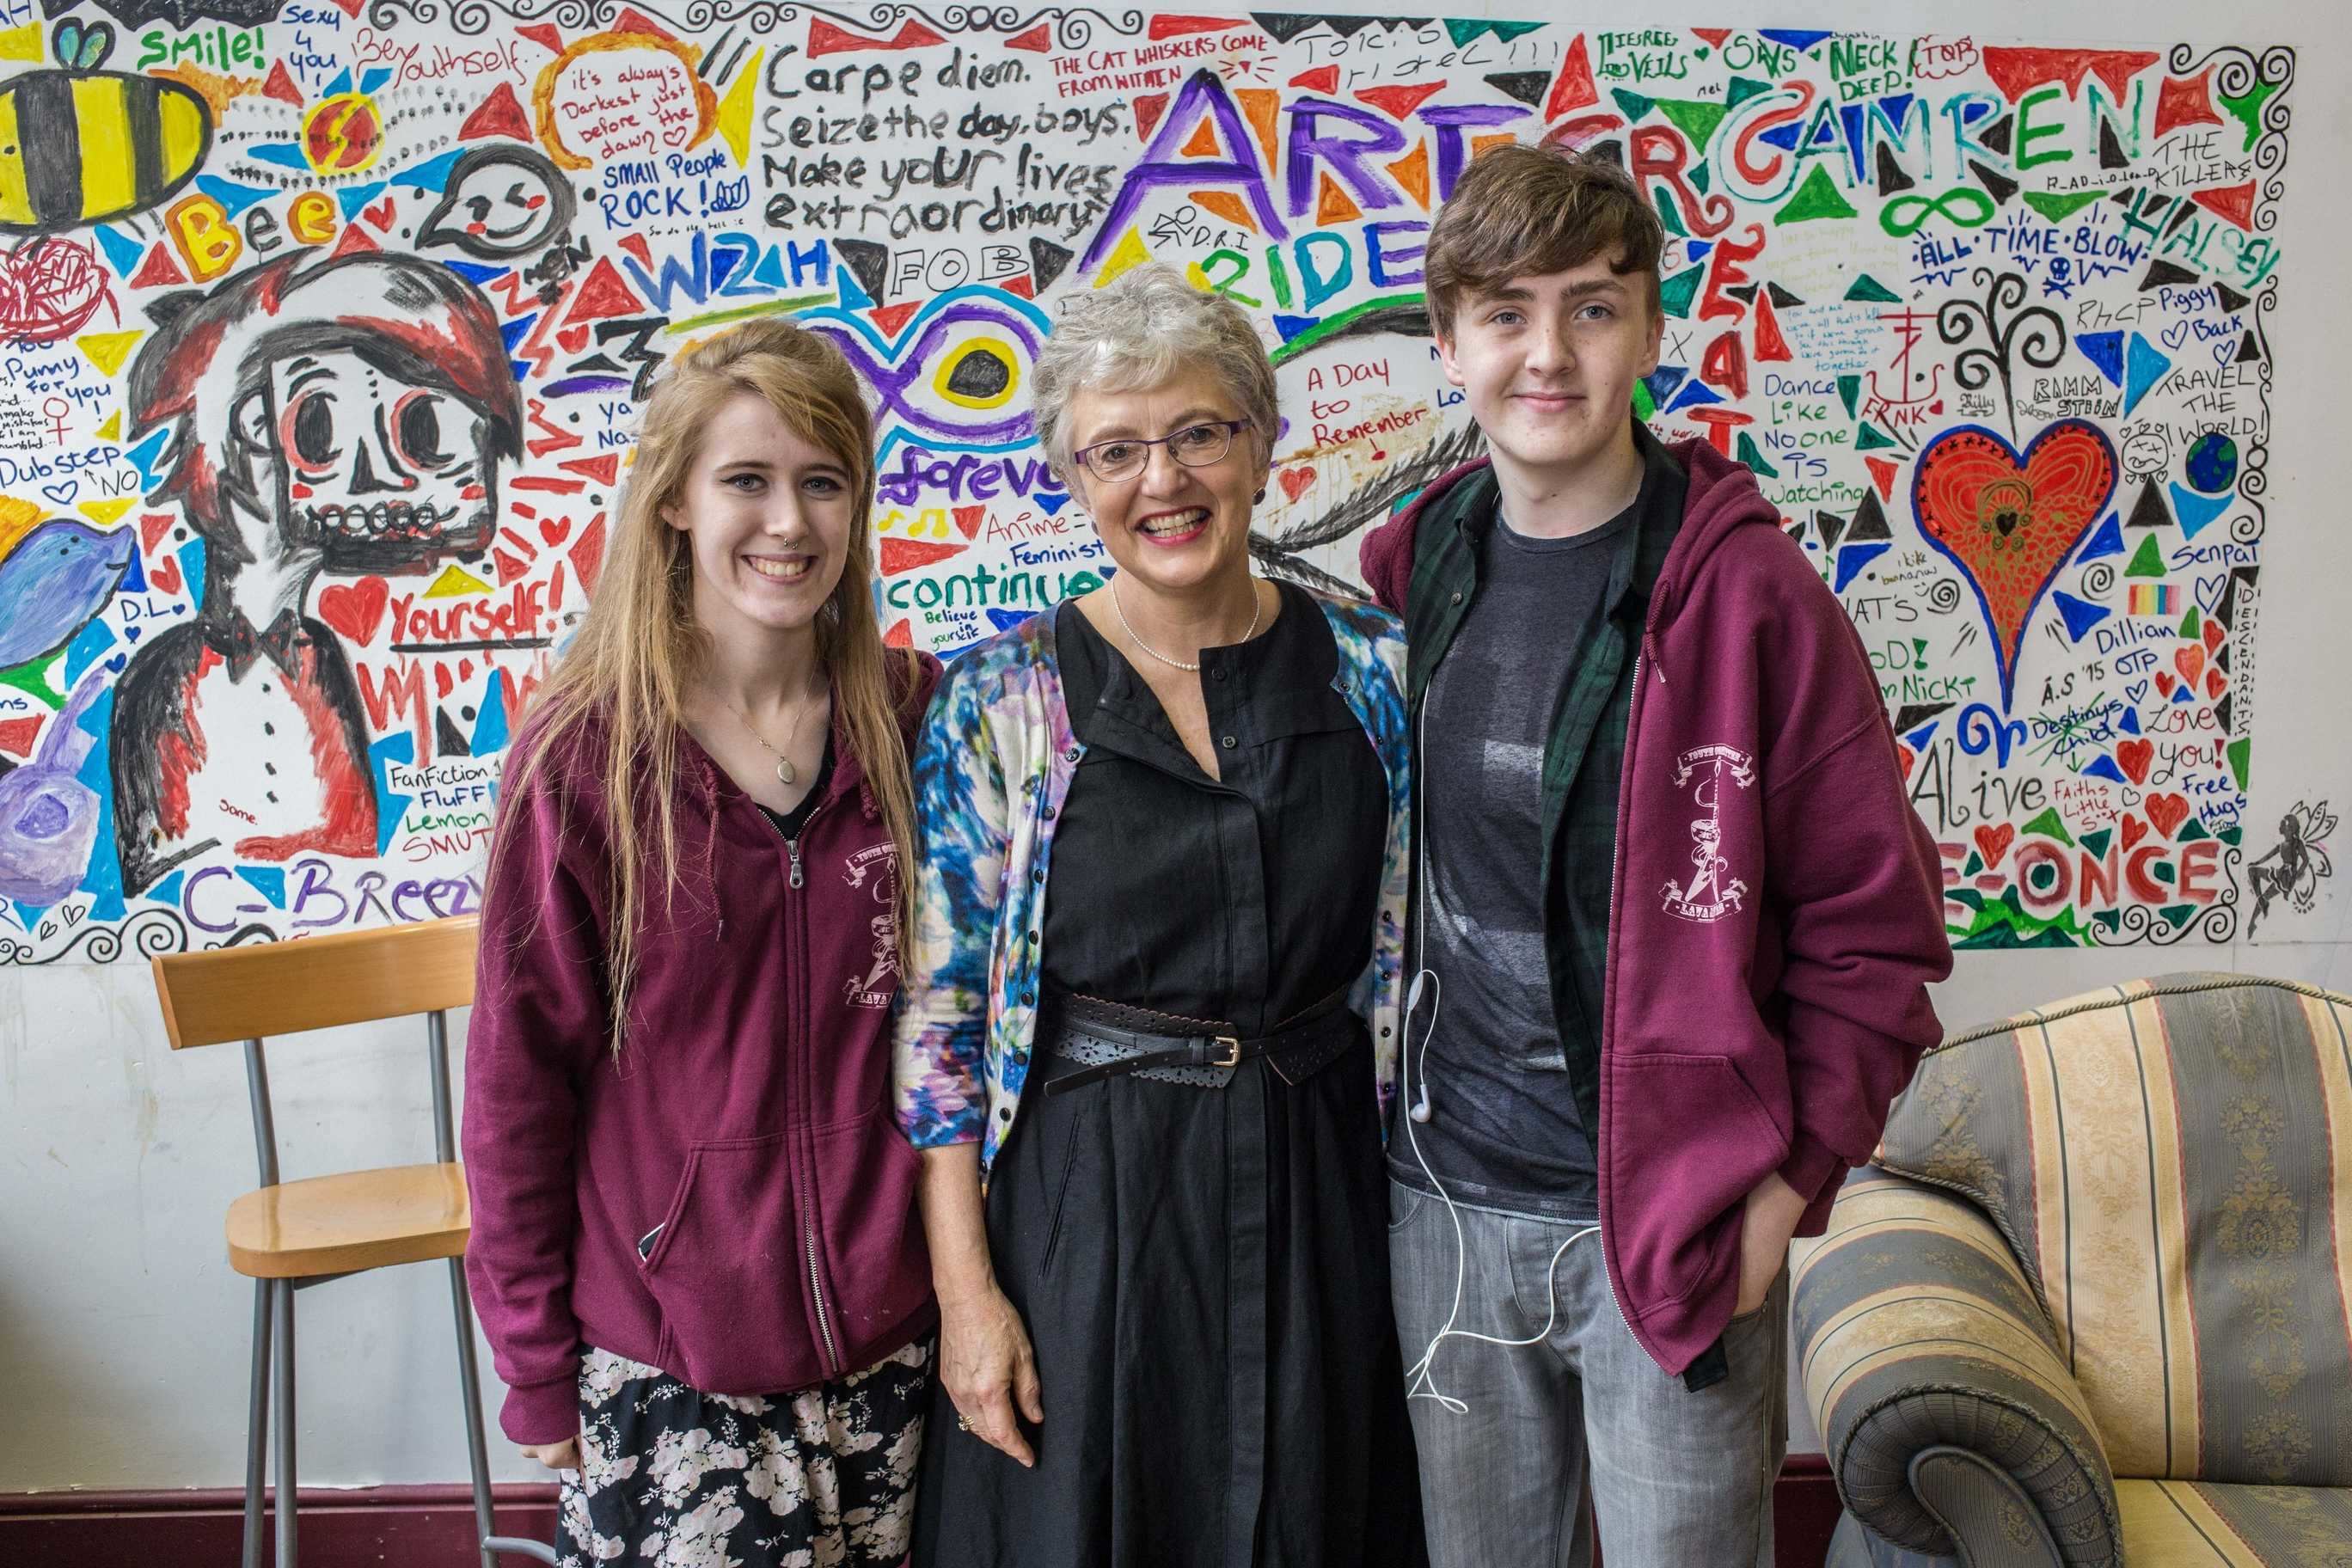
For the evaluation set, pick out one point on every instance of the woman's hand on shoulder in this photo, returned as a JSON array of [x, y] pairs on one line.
[[989, 1369]]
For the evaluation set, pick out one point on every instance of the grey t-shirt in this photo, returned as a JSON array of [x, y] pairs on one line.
[[1503, 1129]]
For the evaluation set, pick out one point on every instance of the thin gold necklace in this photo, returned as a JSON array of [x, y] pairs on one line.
[[1257, 608], [784, 770]]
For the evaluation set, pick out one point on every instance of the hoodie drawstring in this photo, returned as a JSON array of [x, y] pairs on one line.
[[1649, 652]]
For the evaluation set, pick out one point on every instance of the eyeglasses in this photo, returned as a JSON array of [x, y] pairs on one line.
[[1195, 447]]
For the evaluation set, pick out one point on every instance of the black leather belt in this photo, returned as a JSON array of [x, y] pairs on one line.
[[1089, 1046]]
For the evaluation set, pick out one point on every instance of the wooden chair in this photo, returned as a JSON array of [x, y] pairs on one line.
[[288, 1236]]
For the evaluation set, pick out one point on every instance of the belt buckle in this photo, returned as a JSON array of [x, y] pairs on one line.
[[1232, 1057]]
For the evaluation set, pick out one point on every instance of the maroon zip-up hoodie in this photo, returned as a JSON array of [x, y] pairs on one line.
[[729, 1199], [1776, 913]]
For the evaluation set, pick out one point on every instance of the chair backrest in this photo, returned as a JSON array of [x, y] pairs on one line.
[[2171, 1159], [316, 982]]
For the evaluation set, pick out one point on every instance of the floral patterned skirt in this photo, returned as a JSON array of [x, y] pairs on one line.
[[674, 1477]]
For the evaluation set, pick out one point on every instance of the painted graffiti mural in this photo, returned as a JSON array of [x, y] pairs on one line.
[[325, 323]]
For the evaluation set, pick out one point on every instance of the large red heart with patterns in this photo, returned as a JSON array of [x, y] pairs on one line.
[[2008, 521]]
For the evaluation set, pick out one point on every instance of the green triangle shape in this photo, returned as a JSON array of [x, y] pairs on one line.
[[1865, 287], [1741, 89], [2247, 108], [2190, 832], [2096, 843], [2190, 629], [1871, 440], [1750, 455], [1818, 197], [1666, 213], [1699, 177], [2177, 914], [1507, 31], [2238, 758], [1694, 118], [2109, 921], [1850, 393], [1632, 105], [1462, 30], [1675, 293], [2049, 825], [2231, 835], [1975, 865], [2148, 561], [32, 679], [1645, 405], [2058, 208], [2161, 871]]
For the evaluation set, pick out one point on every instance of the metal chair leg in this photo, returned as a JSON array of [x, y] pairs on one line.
[[478, 1456], [289, 1546], [256, 1423]]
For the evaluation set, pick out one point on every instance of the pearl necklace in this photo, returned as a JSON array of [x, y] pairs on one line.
[[1257, 608]]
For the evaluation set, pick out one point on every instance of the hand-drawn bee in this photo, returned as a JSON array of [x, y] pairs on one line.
[[80, 146]]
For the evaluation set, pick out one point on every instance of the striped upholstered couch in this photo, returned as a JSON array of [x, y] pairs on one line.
[[2093, 1303]]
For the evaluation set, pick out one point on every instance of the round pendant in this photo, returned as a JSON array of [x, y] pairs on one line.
[[785, 774]]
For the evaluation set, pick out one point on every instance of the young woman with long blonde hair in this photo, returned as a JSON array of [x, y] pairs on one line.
[[690, 1246]]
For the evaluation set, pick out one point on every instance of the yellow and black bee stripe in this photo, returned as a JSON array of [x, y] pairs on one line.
[[79, 147]]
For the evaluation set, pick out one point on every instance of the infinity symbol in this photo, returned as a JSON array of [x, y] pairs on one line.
[[931, 343], [1964, 205]]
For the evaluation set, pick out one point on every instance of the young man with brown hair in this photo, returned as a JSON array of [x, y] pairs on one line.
[[1675, 919]]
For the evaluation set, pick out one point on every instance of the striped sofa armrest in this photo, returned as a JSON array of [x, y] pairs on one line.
[[1942, 1397]]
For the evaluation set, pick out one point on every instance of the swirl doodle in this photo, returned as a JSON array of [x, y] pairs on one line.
[[2034, 335]]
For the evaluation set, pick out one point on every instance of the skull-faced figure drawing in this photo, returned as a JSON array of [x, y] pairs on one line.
[[343, 418]]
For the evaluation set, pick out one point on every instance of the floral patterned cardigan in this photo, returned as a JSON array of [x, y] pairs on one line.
[[992, 765]]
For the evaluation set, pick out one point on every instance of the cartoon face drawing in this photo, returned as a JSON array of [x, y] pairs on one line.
[[501, 201]]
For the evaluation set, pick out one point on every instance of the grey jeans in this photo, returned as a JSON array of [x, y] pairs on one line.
[[1581, 1422]]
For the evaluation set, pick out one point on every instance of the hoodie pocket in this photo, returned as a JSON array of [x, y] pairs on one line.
[[1688, 1141], [880, 1270], [724, 1267]]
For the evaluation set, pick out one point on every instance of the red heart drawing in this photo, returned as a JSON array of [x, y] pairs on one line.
[[164, 576], [2133, 757], [2190, 661], [2134, 830], [1296, 481], [380, 215], [355, 609], [1994, 843], [2009, 522], [2213, 634], [2214, 683], [554, 530], [573, 339], [2164, 685], [2168, 812]]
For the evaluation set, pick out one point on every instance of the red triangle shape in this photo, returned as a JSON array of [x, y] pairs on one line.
[[151, 525], [600, 294], [604, 470], [906, 554], [1322, 78], [1147, 110], [1882, 474], [281, 87], [968, 519], [1174, 26], [544, 35], [1396, 102], [1574, 89], [17, 735], [500, 114], [510, 568], [587, 554], [158, 270], [915, 35], [898, 635], [1024, 286], [635, 244], [631, 20], [890, 318], [1036, 40], [1714, 36], [1769, 343], [354, 242], [2235, 202]]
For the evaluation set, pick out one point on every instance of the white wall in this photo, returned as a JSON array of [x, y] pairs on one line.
[[124, 1333]]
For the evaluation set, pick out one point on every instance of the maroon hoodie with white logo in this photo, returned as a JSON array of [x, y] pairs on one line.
[[1776, 914]]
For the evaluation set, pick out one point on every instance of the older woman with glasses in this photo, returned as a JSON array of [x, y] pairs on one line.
[[1151, 1018]]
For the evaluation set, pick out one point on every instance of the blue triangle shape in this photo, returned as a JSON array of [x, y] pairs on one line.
[[477, 273], [233, 197], [371, 80], [2144, 368], [121, 250], [1291, 326], [1796, 38], [268, 880], [433, 174], [30, 914], [1662, 381], [1005, 620], [2105, 768], [1696, 250], [514, 332], [853, 298], [1783, 136], [340, 86], [167, 892], [145, 455], [2104, 349], [1053, 503], [1853, 558], [356, 197], [2107, 540], [2129, 723], [1693, 393], [134, 577], [1917, 739], [489, 730], [391, 805], [2195, 511], [190, 557], [88, 646], [723, 265], [285, 154], [771, 270], [1896, 105], [2081, 614], [2184, 693]]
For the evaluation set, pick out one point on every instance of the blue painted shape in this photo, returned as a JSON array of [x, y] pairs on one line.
[[853, 298], [1857, 140], [1895, 106], [1796, 38], [1694, 391], [478, 274], [1005, 620], [2105, 768], [1853, 558], [770, 273], [1662, 381], [54, 580], [371, 80], [433, 174], [340, 86], [233, 197], [269, 881], [145, 455], [2142, 368], [358, 196], [190, 557], [2129, 723], [1696, 249], [1053, 503], [723, 264], [2105, 351], [122, 252], [103, 880], [2184, 693], [28, 914], [2196, 512], [167, 892], [1917, 739], [2081, 614], [2107, 539], [490, 729], [134, 576], [1291, 326], [1783, 136], [390, 807], [284, 154], [88, 646], [513, 332]]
